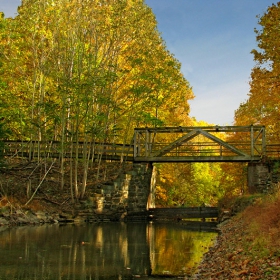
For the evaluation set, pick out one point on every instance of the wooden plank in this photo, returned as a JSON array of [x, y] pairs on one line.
[[206, 128]]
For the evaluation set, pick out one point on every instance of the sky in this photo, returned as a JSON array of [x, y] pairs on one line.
[[212, 39]]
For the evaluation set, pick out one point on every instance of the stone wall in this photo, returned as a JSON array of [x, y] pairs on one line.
[[126, 197], [263, 177], [139, 187], [258, 174]]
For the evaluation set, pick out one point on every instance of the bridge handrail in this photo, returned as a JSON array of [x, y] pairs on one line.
[[214, 128], [53, 148], [273, 151]]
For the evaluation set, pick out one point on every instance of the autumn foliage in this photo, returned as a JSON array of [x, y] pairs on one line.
[[87, 71], [262, 106], [263, 218], [92, 71]]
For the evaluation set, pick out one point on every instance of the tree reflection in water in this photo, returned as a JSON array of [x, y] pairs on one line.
[[100, 251]]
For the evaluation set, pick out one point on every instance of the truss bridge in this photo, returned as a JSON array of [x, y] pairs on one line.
[[200, 144]]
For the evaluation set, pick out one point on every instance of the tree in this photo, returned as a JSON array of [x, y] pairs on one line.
[[262, 106], [88, 71]]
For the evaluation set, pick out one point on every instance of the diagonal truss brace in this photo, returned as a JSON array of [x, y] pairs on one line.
[[192, 135], [223, 143], [177, 143]]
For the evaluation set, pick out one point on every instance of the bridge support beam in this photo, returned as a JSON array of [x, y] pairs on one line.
[[259, 177]]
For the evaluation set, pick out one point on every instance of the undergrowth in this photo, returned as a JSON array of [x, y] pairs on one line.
[[262, 223]]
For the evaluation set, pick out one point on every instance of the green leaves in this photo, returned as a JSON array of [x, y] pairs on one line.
[[189, 184]]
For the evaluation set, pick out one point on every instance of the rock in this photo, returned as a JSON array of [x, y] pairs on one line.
[[3, 221], [33, 219], [5, 212], [224, 215], [22, 220], [41, 215]]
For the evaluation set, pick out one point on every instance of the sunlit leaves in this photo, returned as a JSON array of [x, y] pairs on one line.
[[263, 104], [189, 184], [88, 70], [106, 56]]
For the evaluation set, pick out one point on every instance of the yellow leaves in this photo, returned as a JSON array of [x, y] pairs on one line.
[[109, 52], [161, 195], [263, 104]]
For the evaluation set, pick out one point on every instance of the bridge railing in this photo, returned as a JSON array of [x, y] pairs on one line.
[[186, 144], [200, 143], [54, 149], [198, 149], [273, 151]]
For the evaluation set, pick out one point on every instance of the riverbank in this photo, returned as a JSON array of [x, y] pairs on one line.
[[248, 246], [20, 217], [27, 196]]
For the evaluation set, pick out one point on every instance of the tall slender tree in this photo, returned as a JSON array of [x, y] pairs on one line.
[[88, 71]]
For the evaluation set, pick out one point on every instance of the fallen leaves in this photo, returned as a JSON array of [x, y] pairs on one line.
[[231, 259]]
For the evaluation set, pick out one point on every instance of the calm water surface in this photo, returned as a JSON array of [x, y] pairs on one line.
[[101, 251]]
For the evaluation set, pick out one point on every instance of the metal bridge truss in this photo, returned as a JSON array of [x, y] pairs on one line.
[[200, 144]]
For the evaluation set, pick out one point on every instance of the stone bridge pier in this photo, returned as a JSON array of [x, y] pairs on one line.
[[129, 197], [262, 176], [140, 188]]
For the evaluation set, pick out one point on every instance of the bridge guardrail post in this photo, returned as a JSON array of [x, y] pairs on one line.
[[264, 141], [252, 141]]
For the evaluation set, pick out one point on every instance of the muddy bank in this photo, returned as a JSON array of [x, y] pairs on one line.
[[29, 217], [21, 217]]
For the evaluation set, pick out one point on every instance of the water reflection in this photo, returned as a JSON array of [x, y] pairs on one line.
[[100, 251]]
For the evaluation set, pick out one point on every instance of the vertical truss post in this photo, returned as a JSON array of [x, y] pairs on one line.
[[147, 140], [263, 141], [135, 144]]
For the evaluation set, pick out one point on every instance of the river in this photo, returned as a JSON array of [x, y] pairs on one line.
[[101, 251]]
